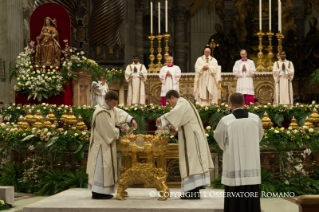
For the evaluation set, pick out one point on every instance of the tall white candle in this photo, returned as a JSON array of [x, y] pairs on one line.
[[279, 14], [151, 17], [260, 12], [280, 17], [159, 17], [269, 15], [166, 16]]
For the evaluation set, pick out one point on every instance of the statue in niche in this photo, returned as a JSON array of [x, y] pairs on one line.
[[48, 49], [221, 52], [311, 46]]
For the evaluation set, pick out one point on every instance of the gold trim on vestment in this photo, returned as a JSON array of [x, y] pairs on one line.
[[185, 150]]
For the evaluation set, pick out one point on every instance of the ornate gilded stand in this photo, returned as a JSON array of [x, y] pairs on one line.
[[152, 57], [270, 53], [159, 57], [260, 55], [166, 36], [280, 36], [143, 173]]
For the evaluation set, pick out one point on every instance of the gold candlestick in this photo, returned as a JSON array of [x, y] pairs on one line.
[[152, 57], [260, 55], [280, 36], [166, 36], [270, 53], [159, 57]]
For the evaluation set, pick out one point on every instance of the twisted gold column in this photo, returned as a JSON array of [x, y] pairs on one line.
[[280, 36], [159, 57], [260, 55], [270, 53], [152, 57], [166, 36]]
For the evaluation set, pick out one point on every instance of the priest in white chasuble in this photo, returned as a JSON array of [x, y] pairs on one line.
[[283, 72], [244, 70], [238, 135], [98, 91], [102, 158], [169, 76], [136, 75], [206, 80], [194, 155]]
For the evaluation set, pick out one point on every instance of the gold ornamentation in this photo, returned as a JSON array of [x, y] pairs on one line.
[[159, 65], [70, 120], [152, 57], [38, 123], [308, 123], [166, 36], [81, 125], [212, 45], [280, 37], [38, 115], [52, 118], [64, 117], [264, 93], [314, 117], [30, 118], [270, 53], [22, 123], [294, 124], [266, 121], [47, 123], [145, 173], [260, 55]]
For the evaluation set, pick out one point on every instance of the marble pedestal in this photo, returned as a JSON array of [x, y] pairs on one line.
[[7, 194]]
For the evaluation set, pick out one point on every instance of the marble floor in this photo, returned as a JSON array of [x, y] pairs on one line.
[[140, 200]]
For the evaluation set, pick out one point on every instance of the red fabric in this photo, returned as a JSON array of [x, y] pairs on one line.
[[163, 101], [248, 99], [54, 11]]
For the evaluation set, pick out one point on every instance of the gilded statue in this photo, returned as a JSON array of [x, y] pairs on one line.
[[48, 49]]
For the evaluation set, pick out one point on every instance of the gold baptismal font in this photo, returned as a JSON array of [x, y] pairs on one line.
[[143, 173]]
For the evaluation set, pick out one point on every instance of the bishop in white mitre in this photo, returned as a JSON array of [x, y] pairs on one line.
[[244, 70], [102, 158], [283, 72], [194, 154], [169, 76], [207, 76], [136, 75], [98, 91]]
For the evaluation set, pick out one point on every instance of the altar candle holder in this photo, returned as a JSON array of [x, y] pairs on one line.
[[260, 55]]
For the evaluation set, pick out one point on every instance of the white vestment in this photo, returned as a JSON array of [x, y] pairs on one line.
[[283, 82], [239, 139], [102, 158], [194, 154], [245, 83], [206, 81], [136, 83], [98, 92], [169, 82]]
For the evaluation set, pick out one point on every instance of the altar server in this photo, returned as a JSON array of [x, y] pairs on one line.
[[98, 91], [102, 158], [194, 154], [207, 76], [136, 75], [244, 70], [169, 76], [283, 72], [238, 135]]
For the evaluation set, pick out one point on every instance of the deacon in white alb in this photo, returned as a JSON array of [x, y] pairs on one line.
[[102, 158], [98, 91], [136, 75], [244, 70], [207, 76], [194, 154], [238, 135], [169, 76], [283, 72]]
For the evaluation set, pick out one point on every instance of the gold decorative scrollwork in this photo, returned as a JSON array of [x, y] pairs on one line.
[[264, 93]]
